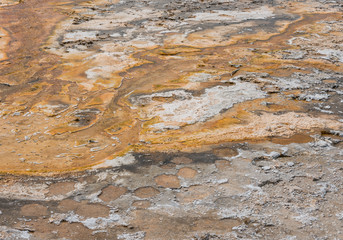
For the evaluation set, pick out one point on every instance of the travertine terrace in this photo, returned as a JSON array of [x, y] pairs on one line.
[[161, 119]]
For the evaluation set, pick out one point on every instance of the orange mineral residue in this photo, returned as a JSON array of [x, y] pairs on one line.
[[82, 85]]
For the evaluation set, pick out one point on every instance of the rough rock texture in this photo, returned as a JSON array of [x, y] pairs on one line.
[[171, 119]]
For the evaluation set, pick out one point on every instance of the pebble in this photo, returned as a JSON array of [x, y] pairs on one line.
[[290, 164], [266, 168], [322, 143], [274, 155]]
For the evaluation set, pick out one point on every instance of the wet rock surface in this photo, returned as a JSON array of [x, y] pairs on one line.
[[171, 120]]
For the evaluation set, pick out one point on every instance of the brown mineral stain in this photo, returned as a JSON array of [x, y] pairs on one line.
[[67, 205], [168, 181], [178, 227], [75, 230], [187, 173], [146, 192], [296, 138], [225, 152], [182, 160], [61, 188], [34, 210], [111, 193], [92, 210]]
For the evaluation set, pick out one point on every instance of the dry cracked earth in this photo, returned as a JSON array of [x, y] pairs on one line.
[[186, 119]]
